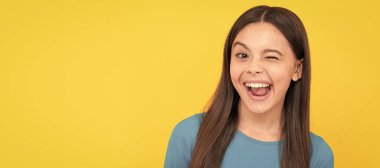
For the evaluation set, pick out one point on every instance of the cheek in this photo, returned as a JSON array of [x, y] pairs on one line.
[[281, 76], [235, 72]]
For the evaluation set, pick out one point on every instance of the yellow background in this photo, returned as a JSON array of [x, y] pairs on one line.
[[103, 83]]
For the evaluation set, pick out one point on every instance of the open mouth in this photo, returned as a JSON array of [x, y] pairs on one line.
[[258, 91]]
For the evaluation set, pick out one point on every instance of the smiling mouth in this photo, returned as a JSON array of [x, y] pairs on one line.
[[258, 89]]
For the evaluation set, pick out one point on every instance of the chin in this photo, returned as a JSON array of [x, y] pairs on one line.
[[257, 108]]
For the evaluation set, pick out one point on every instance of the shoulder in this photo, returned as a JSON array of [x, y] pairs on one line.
[[182, 142], [322, 154], [188, 127]]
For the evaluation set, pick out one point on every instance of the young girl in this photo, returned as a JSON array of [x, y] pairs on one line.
[[258, 116]]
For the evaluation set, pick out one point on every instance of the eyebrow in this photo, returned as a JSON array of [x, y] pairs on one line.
[[247, 48], [273, 50], [240, 43]]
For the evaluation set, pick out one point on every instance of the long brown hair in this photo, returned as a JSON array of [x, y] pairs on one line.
[[220, 122]]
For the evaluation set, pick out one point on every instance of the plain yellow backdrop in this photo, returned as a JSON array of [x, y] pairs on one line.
[[101, 84]]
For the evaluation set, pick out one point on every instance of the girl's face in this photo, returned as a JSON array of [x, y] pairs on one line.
[[262, 67]]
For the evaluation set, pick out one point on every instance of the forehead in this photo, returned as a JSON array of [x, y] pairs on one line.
[[263, 35]]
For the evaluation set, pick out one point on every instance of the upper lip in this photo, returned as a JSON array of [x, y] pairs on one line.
[[257, 81]]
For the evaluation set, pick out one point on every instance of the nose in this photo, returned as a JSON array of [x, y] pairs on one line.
[[255, 67]]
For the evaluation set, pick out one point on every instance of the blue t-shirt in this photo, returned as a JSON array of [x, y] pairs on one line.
[[242, 152]]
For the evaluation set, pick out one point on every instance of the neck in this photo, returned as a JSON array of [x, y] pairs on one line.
[[265, 126]]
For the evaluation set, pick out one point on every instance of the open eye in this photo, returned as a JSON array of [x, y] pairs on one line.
[[241, 55]]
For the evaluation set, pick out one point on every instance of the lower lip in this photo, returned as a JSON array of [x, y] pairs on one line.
[[258, 98]]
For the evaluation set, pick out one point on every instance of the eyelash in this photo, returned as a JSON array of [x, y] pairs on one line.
[[238, 55], [269, 57]]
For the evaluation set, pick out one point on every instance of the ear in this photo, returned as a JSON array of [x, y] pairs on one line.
[[297, 70]]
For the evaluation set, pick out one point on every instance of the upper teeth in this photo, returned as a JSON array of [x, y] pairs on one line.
[[256, 85]]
